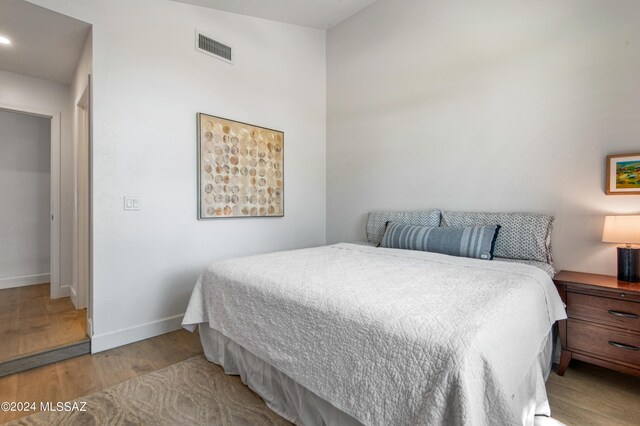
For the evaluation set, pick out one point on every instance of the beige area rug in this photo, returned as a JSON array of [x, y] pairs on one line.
[[192, 392]]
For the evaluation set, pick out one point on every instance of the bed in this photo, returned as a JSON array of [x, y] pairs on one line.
[[352, 334]]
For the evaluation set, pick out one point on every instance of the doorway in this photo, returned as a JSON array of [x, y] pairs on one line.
[[45, 61], [36, 317]]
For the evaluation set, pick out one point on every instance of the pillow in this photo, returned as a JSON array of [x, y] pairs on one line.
[[377, 221], [522, 236], [477, 241]]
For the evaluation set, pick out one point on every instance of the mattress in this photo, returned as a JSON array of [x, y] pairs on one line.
[[387, 336]]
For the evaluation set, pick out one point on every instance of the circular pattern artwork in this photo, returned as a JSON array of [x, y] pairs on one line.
[[241, 169]]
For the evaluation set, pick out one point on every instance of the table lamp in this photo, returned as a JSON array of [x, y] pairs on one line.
[[625, 230]]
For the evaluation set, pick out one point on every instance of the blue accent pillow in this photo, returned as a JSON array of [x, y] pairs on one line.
[[474, 241]]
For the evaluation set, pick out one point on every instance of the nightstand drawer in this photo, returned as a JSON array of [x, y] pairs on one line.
[[615, 345], [619, 313]]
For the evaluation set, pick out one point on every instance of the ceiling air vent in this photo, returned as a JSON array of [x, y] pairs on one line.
[[211, 47]]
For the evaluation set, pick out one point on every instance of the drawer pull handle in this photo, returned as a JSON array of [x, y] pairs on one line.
[[623, 346], [623, 314]]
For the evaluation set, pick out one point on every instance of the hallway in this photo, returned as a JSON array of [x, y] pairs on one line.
[[31, 322]]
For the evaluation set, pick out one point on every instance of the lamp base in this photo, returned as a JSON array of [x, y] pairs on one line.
[[629, 264]]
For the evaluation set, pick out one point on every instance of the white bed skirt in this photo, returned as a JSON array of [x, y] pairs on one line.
[[301, 406]]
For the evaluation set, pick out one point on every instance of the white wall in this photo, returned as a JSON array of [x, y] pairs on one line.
[[25, 179], [18, 91], [148, 85], [494, 105]]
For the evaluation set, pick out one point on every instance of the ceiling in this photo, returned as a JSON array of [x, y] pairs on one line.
[[322, 14], [44, 44]]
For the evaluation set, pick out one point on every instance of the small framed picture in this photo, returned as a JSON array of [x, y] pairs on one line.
[[623, 174]]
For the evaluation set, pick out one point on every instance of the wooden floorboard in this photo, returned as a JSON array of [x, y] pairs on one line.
[[31, 322], [83, 375], [592, 395], [586, 395]]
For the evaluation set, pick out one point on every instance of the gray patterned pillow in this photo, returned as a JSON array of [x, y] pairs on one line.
[[522, 236], [377, 221], [474, 241]]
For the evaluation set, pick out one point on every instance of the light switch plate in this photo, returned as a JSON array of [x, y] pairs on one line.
[[132, 203]]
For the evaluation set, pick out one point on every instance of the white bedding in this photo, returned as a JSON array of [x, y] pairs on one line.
[[387, 336]]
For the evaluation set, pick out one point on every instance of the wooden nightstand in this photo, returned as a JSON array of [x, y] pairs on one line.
[[603, 327]]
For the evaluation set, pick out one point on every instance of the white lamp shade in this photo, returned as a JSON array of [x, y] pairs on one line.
[[621, 229]]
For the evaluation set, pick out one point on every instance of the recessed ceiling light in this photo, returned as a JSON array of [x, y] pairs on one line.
[[4, 40]]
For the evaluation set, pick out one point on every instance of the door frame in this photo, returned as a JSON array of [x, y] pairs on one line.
[[82, 234], [55, 232]]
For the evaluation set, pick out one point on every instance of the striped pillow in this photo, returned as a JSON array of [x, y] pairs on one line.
[[474, 241]]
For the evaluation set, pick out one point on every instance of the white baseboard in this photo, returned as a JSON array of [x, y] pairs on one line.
[[12, 282], [102, 342], [72, 295], [65, 291]]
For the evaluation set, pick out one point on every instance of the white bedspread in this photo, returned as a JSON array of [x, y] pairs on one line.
[[391, 337]]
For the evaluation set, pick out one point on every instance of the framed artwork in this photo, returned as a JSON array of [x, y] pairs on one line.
[[623, 174], [241, 169]]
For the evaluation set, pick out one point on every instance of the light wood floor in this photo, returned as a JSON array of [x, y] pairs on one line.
[[586, 395], [86, 374], [592, 395], [31, 322]]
